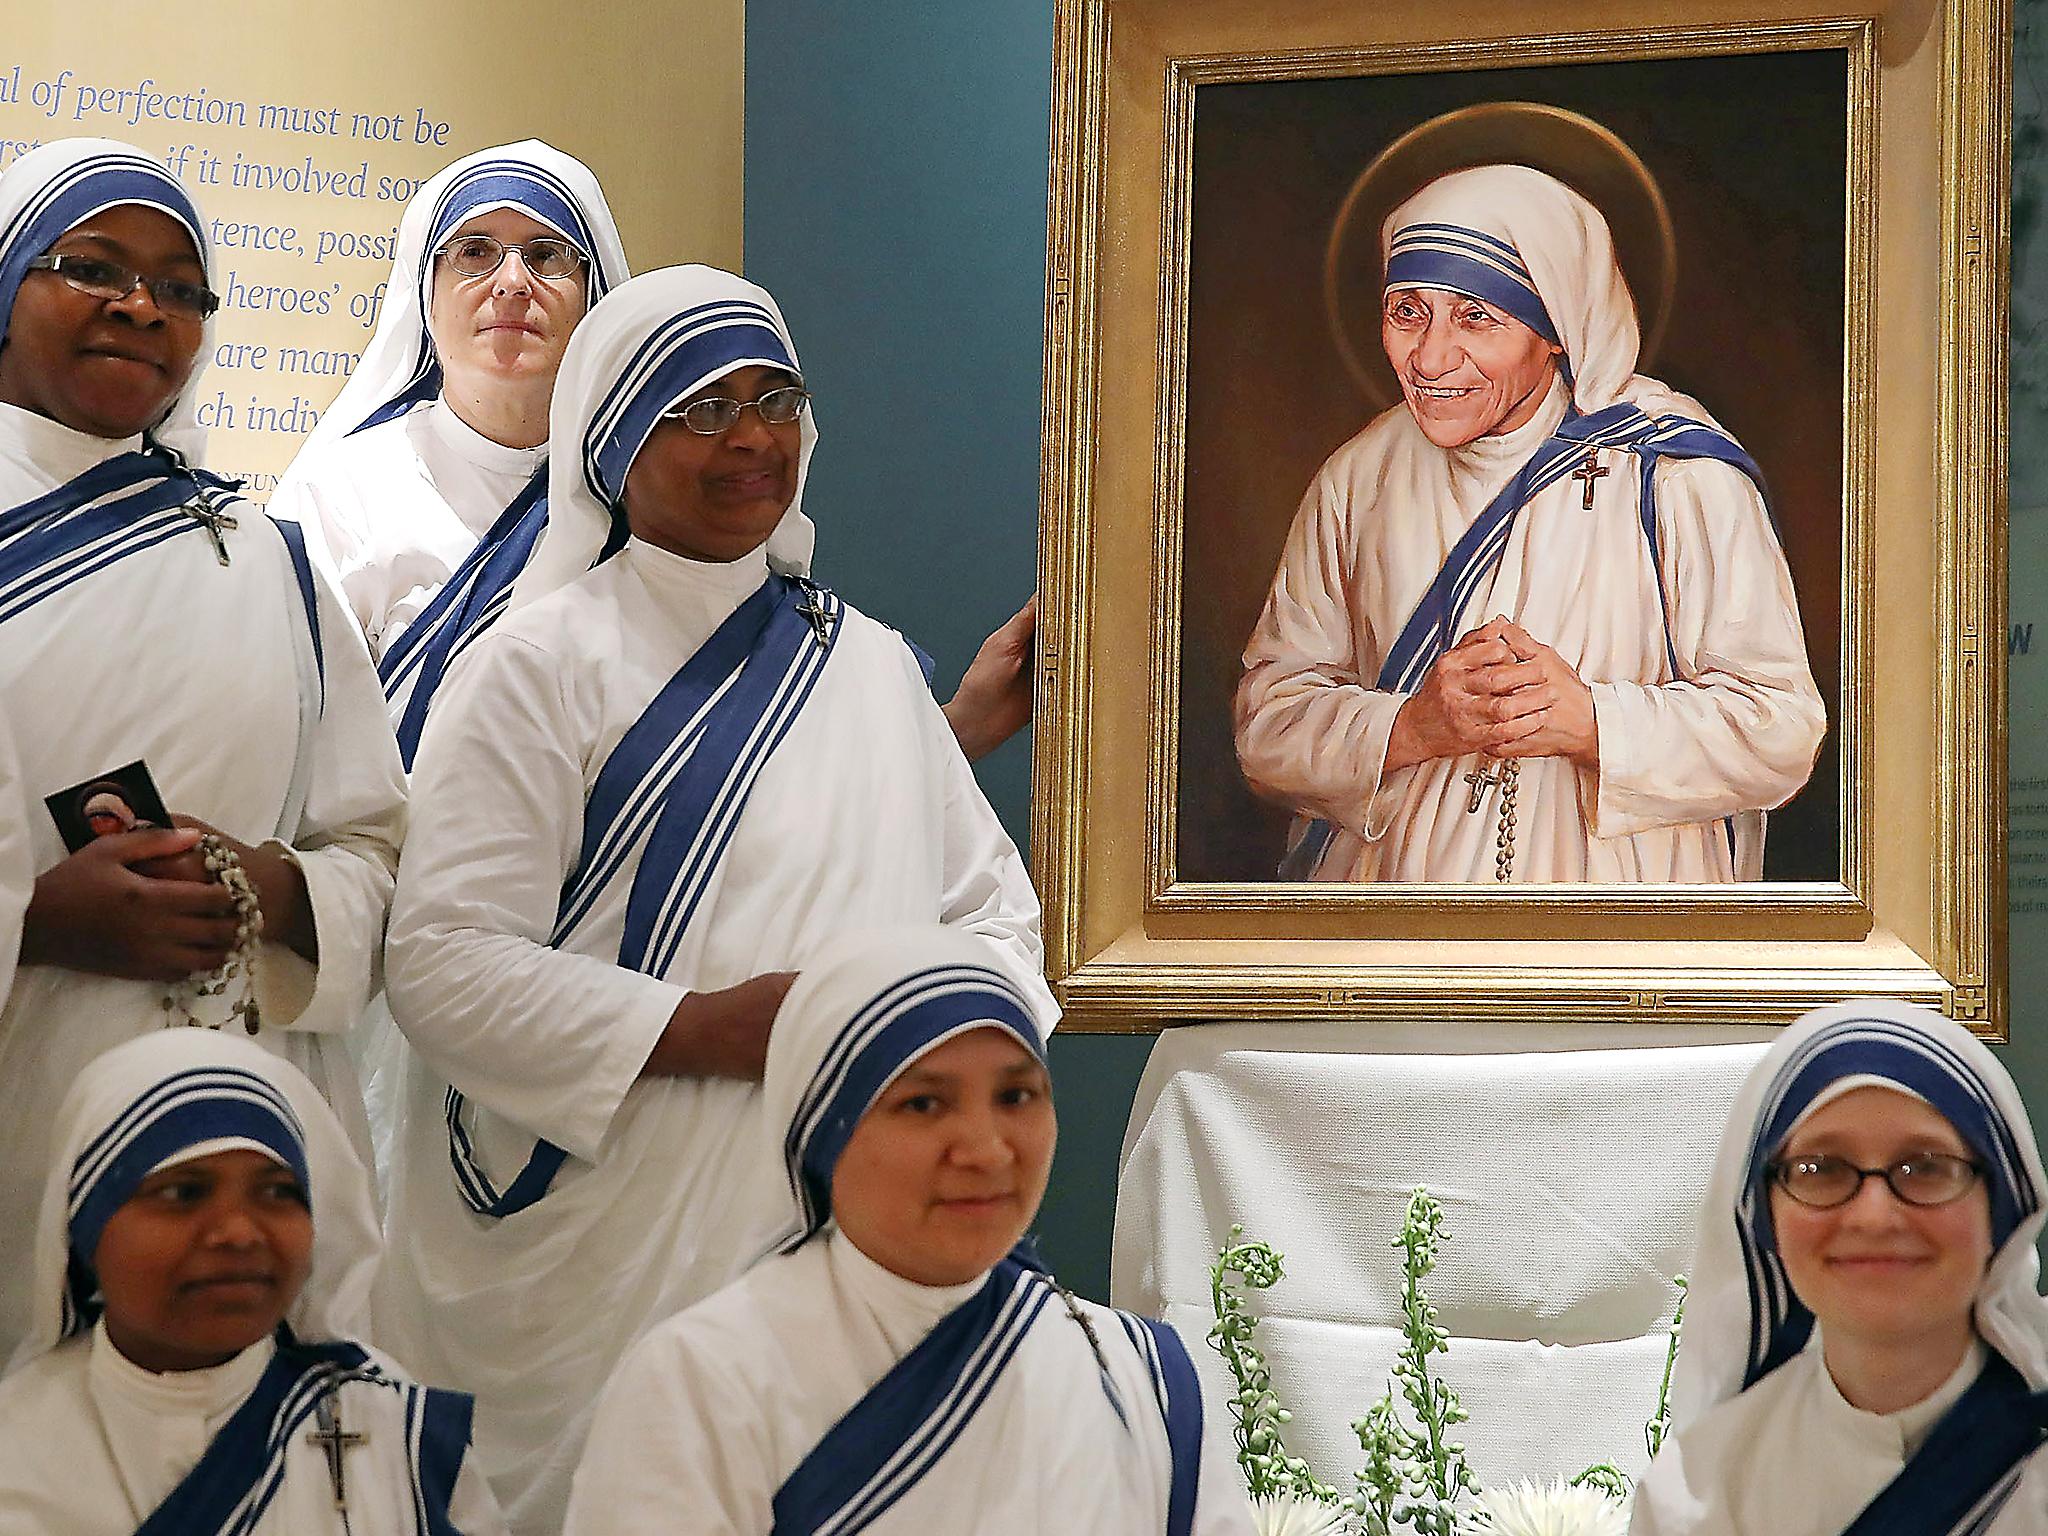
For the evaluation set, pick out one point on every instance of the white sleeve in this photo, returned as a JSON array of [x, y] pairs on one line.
[[1222, 1507], [346, 842], [1739, 731], [1311, 732], [338, 541], [985, 887], [549, 1039], [472, 1507], [672, 1448]]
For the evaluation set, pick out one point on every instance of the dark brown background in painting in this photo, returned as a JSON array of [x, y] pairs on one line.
[[1750, 152]]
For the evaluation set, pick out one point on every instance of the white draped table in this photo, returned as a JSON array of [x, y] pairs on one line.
[[1569, 1162]]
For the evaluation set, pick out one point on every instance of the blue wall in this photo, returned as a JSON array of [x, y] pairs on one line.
[[895, 206]]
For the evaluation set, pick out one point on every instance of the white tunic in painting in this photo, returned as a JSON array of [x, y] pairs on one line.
[[714, 1409], [112, 1441], [1737, 736], [194, 668], [866, 814], [1792, 1457], [392, 510]]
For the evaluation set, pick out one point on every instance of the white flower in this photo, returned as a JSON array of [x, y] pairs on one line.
[[1287, 1514], [1548, 1509]]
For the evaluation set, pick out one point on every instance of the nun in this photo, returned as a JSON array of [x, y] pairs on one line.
[[159, 632], [903, 1364], [201, 1266], [675, 769], [1865, 1347]]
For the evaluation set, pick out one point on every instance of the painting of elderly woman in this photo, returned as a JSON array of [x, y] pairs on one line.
[[1544, 609]]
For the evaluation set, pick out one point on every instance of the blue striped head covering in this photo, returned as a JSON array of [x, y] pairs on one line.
[[652, 342], [868, 1007], [1742, 1318], [1522, 241], [400, 369], [61, 185], [177, 1094], [1467, 261]]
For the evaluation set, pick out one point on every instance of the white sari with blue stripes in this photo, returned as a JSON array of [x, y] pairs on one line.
[[1765, 1443], [865, 812], [821, 1395], [1682, 620]]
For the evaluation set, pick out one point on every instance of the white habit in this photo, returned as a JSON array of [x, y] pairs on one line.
[[392, 511], [1689, 760], [866, 812], [714, 1409], [824, 1392], [94, 1444], [205, 673]]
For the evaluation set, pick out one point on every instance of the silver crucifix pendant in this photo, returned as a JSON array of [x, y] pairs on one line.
[[813, 608], [337, 1442]]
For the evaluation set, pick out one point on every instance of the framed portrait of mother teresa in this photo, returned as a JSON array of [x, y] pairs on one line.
[[1523, 511]]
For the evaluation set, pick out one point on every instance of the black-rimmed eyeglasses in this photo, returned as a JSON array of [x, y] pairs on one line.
[[709, 417], [110, 280], [1928, 1178], [481, 255]]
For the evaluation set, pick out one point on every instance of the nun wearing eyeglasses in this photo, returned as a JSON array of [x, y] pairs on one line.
[[424, 487], [903, 1365], [648, 795], [201, 1269], [1865, 1348], [157, 632]]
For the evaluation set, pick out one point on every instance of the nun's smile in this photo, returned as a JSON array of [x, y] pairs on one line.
[[1467, 369]]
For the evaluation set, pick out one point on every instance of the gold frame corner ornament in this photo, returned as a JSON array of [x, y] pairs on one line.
[[1131, 946]]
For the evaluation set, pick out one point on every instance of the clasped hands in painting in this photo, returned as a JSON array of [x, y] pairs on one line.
[[1502, 693]]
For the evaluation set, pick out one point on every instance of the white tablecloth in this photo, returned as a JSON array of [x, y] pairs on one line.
[[1569, 1163]]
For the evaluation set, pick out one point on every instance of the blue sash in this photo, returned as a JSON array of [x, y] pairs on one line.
[[237, 1479], [1969, 1465], [678, 780], [888, 1441], [121, 507], [1432, 628], [472, 601]]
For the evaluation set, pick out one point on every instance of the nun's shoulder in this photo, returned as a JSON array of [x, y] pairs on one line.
[[1706, 1464], [730, 1330], [1365, 452], [41, 1402]]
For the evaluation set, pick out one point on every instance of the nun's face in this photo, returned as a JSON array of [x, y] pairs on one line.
[[1468, 370], [507, 325], [108, 367], [1877, 1270], [203, 1260], [945, 1172], [716, 498]]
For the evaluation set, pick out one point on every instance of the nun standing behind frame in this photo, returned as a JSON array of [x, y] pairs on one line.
[[1865, 1347], [146, 615], [645, 799], [902, 1365]]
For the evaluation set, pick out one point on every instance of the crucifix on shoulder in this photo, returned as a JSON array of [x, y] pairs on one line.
[[1588, 471], [813, 608], [337, 1442]]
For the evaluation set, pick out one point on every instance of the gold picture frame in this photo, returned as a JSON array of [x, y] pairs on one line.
[[1918, 909]]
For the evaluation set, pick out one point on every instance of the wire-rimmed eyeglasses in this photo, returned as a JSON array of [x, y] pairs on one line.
[[546, 257], [716, 414]]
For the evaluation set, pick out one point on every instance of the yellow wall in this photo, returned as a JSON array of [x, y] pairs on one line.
[[646, 92]]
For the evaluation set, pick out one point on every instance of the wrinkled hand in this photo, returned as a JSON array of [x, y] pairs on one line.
[[722, 1033], [993, 701], [1501, 693], [98, 911]]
